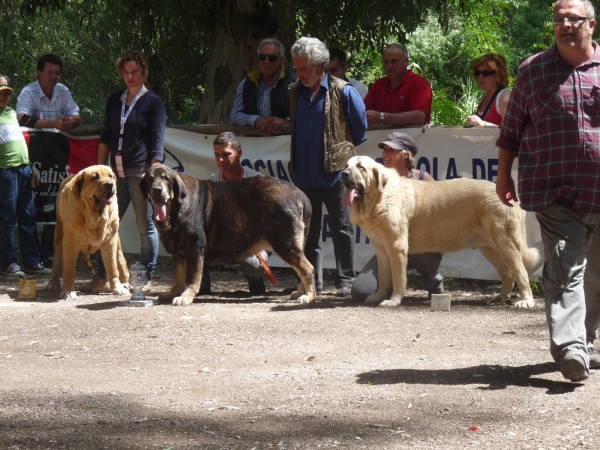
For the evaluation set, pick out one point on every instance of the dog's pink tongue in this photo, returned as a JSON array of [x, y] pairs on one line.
[[160, 211], [348, 197], [107, 199]]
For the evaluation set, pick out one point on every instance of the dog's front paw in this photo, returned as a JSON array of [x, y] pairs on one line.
[[128, 287], [182, 301], [66, 295], [394, 301], [120, 290], [528, 304], [303, 298], [51, 287]]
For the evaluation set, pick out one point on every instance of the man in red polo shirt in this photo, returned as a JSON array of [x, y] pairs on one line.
[[401, 97]]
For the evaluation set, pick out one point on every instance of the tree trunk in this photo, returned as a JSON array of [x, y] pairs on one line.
[[234, 52]]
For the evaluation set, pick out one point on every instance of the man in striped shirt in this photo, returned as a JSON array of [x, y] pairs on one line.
[[262, 99], [553, 126]]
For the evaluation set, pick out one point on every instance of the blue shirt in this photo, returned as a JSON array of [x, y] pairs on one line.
[[309, 162]]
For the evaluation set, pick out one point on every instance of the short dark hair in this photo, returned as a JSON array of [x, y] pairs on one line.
[[226, 138], [340, 55], [48, 58]]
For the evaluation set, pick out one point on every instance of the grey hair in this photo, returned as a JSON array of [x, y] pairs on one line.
[[400, 47], [274, 42], [313, 48], [590, 13]]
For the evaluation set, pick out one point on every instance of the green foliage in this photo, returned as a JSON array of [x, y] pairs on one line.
[[443, 37], [491, 27]]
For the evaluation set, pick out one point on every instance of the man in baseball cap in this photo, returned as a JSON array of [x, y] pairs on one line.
[[5, 83], [15, 175]]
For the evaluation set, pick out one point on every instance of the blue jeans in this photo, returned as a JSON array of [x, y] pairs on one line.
[[343, 234], [17, 207], [566, 235], [128, 191]]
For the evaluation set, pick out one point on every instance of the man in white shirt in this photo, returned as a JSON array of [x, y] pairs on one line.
[[46, 103], [228, 156]]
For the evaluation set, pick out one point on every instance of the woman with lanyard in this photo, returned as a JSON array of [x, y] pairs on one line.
[[491, 75], [132, 140]]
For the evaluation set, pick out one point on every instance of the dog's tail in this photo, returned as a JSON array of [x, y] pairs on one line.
[[530, 255]]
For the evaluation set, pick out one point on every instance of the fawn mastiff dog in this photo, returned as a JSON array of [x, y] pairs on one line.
[[87, 220], [403, 216], [204, 221]]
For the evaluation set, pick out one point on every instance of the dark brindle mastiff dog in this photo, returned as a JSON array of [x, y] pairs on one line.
[[226, 221]]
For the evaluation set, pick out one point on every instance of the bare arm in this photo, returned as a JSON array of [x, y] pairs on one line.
[[503, 103], [62, 123], [505, 185], [404, 118]]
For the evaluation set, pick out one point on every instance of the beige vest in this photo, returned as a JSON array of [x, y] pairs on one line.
[[338, 137]]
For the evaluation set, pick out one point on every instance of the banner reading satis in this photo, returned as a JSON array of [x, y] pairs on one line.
[[53, 157]]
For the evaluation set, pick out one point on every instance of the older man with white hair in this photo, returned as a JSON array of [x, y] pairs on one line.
[[328, 120]]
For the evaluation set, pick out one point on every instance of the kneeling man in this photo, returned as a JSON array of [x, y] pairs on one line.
[[228, 155]]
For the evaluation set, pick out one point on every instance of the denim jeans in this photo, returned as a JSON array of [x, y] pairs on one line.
[[566, 235], [128, 191], [17, 207], [343, 233]]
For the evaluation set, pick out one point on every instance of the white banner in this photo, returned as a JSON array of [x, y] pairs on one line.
[[444, 152]]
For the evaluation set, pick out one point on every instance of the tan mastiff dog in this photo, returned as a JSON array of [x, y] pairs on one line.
[[403, 216], [87, 220]]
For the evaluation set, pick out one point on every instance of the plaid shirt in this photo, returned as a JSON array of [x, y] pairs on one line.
[[553, 124]]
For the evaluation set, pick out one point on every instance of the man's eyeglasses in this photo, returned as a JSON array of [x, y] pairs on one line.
[[571, 20], [485, 73], [54, 73], [271, 58]]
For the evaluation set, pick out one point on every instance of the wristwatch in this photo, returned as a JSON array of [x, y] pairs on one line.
[[381, 119]]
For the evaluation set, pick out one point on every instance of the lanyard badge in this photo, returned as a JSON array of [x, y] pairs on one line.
[[124, 116]]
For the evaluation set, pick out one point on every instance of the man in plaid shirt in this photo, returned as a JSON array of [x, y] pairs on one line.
[[553, 126]]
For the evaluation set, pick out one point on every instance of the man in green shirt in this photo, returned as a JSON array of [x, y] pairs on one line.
[[16, 197]]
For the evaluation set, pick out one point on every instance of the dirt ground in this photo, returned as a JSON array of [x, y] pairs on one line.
[[230, 372]]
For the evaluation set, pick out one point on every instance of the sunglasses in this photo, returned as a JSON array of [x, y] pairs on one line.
[[271, 58], [485, 73]]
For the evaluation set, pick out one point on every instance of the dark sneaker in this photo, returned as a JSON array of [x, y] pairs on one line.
[[257, 287], [573, 368], [13, 271], [204, 289], [594, 357], [37, 269]]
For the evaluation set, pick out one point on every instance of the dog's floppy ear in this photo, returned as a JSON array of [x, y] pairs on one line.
[[381, 178], [79, 180], [179, 189], [144, 186]]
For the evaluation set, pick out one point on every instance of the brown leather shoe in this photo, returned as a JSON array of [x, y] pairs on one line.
[[96, 284]]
